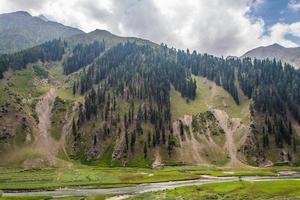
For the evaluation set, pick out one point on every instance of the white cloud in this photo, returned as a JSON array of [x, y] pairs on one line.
[[294, 5], [220, 27], [278, 33]]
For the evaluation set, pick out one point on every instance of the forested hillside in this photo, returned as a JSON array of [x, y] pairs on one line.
[[49, 51], [114, 103], [273, 99]]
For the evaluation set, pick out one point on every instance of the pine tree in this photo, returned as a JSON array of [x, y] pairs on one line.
[[294, 144], [181, 129], [95, 140], [149, 138], [126, 140], [74, 129], [132, 141], [145, 150], [171, 144], [163, 136], [74, 88]]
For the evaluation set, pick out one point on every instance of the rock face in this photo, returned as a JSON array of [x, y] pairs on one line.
[[20, 30], [288, 55]]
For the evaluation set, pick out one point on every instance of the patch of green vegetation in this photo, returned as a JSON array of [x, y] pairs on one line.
[[80, 155], [286, 189], [205, 121], [225, 172], [56, 72], [209, 96], [102, 177], [106, 158], [122, 106], [22, 88], [27, 198], [40, 71], [66, 92], [59, 110], [233, 173], [98, 197], [15, 159], [62, 154], [179, 105], [23, 84], [20, 137], [33, 104], [285, 168], [139, 161], [88, 176]]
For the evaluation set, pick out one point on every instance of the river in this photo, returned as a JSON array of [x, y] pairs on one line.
[[149, 187]]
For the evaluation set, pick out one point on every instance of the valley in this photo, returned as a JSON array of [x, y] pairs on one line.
[[100, 182], [99, 116]]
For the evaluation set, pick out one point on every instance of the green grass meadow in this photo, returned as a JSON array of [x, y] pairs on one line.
[[275, 190], [208, 97], [93, 175]]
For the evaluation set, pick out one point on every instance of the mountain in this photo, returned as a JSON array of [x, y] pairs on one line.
[[114, 101], [109, 38], [20, 30], [101, 99], [43, 18], [288, 55]]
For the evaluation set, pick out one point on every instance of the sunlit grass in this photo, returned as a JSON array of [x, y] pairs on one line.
[[209, 96], [232, 190]]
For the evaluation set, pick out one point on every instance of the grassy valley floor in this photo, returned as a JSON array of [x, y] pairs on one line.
[[80, 176], [103, 177], [275, 190]]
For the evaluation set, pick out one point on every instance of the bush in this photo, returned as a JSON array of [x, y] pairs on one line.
[[40, 71]]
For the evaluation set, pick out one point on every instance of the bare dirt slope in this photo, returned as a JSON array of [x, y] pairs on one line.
[[194, 147], [232, 127], [234, 119], [68, 119], [45, 144], [157, 159], [227, 126]]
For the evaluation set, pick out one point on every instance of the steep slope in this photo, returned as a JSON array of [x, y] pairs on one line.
[[20, 30], [288, 55], [129, 102], [45, 144], [227, 125]]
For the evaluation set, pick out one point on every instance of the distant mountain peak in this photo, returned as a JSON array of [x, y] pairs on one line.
[[100, 31], [43, 18], [276, 45], [277, 51], [29, 31], [23, 13]]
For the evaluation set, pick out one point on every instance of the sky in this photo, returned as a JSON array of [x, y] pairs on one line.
[[219, 27]]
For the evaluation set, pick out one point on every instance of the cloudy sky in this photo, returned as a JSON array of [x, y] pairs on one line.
[[220, 27]]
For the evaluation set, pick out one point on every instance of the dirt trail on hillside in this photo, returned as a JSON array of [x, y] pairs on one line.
[[45, 144], [229, 126]]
